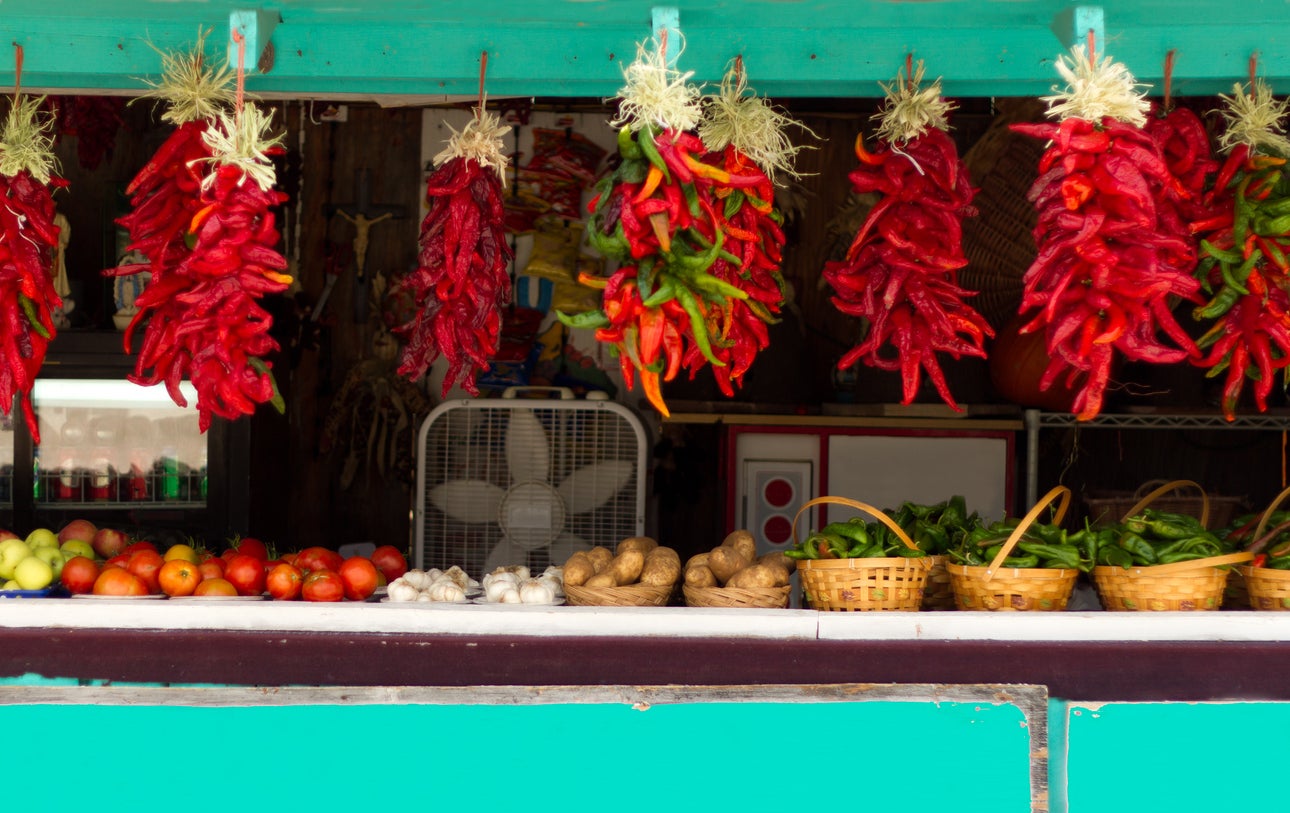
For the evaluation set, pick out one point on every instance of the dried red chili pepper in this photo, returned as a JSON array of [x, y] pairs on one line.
[[461, 280]]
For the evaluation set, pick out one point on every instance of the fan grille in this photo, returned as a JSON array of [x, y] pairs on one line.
[[467, 441]]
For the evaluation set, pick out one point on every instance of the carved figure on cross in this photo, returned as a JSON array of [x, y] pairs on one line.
[[364, 214]]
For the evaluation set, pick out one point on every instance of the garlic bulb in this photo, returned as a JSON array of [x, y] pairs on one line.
[[495, 588], [458, 575], [536, 591], [418, 579], [509, 595], [446, 589], [401, 590], [520, 571], [553, 583], [424, 597]]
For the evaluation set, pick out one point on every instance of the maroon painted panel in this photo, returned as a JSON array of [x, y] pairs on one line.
[[1073, 671]]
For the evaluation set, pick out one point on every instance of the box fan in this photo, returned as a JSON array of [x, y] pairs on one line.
[[521, 480]]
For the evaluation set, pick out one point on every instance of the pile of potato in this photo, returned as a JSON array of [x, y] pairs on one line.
[[635, 560], [735, 563]]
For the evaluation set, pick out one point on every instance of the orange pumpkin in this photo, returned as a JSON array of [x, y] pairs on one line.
[[1018, 361]]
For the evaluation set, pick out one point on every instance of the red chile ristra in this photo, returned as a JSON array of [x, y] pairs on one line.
[[901, 273], [28, 240], [461, 281]]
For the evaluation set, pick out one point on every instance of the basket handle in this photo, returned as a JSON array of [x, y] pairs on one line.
[[865, 507], [1172, 485], [1027, 521], [1267, 515], [1192, 564]]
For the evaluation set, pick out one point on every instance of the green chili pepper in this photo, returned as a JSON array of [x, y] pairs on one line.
[[1141, 550], [1068, 556], [627, 146], [1179, 556], [1114, 557], [848, 530], [699, 327], [586, 319], [649, 149], [734, 201], [1028, 560], [632, 171]]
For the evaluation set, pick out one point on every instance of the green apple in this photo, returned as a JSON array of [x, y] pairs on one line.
[[33, 573], [10, 585], [12, 551], [42, 538], [53, 557], [77, 547]]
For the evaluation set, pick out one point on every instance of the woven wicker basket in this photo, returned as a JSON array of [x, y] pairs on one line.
[[761, 597], [1197, 584], [1017, 588], [1192, 585], [631, 595], [1219, 510], [938, 592], [886, 583], [1266, 588]]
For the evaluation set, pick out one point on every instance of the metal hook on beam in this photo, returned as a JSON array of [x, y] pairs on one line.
[[256, 28]]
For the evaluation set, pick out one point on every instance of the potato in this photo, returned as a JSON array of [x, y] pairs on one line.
[[778, 559], [600, 557], [578, 569], [725, 561], [754, 576], [743, 542], [604, 578], [626, 567], [697, 560], [644, 544], [662, 567], [700, 576]]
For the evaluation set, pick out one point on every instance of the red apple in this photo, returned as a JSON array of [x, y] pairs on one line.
[[81, 529], [8, 535], [108, 542]]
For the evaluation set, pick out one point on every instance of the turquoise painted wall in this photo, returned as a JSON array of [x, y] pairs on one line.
[[603, 757]]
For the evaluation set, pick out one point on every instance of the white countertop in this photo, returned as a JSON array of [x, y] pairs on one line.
[[667, 622]]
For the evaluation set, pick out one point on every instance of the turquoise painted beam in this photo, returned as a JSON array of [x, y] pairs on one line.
[[254, 28], [578, 48]]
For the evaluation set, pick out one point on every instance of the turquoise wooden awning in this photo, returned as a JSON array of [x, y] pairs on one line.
[[423, 49]]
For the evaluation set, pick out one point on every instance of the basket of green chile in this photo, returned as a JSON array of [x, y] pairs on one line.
[[935, 528], [1160, 560], [1267, 536], [1018, 564], [866, 565]]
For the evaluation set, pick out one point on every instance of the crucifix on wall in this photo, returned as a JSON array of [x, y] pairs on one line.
[[363, 215]]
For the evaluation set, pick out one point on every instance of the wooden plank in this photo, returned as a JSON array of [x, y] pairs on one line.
[[834, 48]]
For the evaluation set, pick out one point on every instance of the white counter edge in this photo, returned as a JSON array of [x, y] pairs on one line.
[[665, 622]]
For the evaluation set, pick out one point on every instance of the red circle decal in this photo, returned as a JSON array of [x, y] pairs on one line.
[[777, 530], [778, 492]]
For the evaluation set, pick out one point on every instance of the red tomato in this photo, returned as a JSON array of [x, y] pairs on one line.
[[212, 568], [322, 585], [284, 582], [115, 581], [215, 587], [251, 546], [119, 560], [360, 576], [146, 564], [79, 574], [390, 561], [289, 558], [135, 547], [318, 558], [246, 573], [178, 577]]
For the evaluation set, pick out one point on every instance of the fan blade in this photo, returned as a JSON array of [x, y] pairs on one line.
[[528, 456], [505, 554], [564, 547], [591, 486], [468, 500]]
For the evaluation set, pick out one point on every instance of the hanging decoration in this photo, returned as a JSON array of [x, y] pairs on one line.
[[669, 213], [206, 318], [1245, 240], [28, 244], [461, 282], [1112, 251], [900, 274]]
